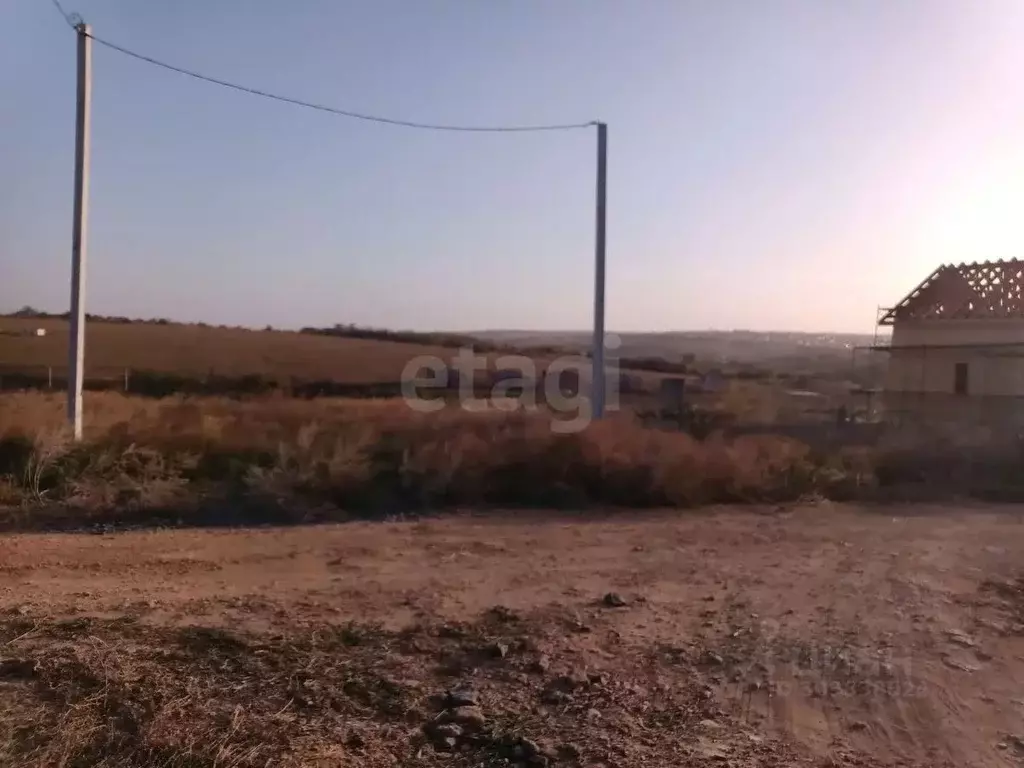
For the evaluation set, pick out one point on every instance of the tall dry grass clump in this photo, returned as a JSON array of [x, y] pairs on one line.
[[327, 457]]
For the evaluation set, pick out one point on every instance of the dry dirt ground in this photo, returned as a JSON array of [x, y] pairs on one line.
[[822, 635]]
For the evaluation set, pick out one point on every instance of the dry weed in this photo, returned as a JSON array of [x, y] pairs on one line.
[[336, 457], [120, 693]]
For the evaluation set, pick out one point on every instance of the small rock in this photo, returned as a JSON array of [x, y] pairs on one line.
[[714, 751], [858, 725], [545, 749], [569, 682], [461, 697], [498, 650], [554, 696], [961, 665], [470, 718], [503, 614], [710, 657], [710, 725], [568, 751], [526, 645], [594, 714], [614, 600], [541, 664], [597, 678], [529, 748], [995, 626], [446, 730], [355, 741], [451, 631], [958, 637]]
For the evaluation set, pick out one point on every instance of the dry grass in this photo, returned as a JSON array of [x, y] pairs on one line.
[[122, 693], [312, 460]]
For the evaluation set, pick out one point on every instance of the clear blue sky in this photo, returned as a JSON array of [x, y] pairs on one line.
[[782, 164]]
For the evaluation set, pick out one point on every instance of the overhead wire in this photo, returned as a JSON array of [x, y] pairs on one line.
[[323, 107], [67, 16]]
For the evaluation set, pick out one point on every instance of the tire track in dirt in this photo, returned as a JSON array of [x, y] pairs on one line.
[[793, 601]]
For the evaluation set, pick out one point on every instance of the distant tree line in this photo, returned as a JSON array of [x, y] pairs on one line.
[[657, 365], [352, 331], [433, 339], [31, 313]]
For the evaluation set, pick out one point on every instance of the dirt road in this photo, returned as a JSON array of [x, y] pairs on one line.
[[819, 635]]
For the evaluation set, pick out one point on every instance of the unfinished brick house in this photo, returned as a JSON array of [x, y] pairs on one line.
[[957, 347]]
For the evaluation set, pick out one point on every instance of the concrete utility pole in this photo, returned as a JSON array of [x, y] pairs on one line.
[[80, 231], [598, 380]]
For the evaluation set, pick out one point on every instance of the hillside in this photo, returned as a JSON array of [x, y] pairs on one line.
[[198, 350], [777, 348]]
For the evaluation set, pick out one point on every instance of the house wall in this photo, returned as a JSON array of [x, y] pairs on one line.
[[930, 369], [933, 371], [996, 331]]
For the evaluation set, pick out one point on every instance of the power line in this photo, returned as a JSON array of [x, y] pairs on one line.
[[67, 16], [341, 112]]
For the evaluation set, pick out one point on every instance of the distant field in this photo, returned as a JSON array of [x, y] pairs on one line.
[[170, 358], [193, 350]]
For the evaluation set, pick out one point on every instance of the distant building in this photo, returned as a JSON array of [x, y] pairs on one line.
[[672, 393], [957, 346], [713, 381], [630, 383]]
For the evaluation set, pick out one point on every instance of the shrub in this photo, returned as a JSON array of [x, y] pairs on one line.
[[373, 456]]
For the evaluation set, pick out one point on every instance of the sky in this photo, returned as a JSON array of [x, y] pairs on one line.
[[773, 165]]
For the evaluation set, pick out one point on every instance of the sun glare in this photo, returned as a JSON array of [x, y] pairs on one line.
[[981, 221]]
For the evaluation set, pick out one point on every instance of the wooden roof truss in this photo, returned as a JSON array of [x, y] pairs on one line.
[[989, 290]]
